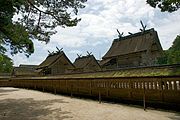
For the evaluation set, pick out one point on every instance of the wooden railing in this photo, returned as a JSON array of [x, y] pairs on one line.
[[5, 81], [148, 89]]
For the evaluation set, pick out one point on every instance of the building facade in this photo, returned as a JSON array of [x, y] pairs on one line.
[[55, 64], [139, 49], [86, 64]]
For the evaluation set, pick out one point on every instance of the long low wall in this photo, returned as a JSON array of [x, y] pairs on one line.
[[5, 81], [160, 90], [164, 90]]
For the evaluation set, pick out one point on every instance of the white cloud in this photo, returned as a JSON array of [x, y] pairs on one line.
[[97, 29], [75, 52]]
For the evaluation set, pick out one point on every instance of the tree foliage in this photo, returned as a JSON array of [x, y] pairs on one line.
[[174, 52], [6, 64], [172, 55], [35, 19], [165, 5]]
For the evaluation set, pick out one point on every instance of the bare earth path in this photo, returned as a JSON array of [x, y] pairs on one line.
[[21, 104]]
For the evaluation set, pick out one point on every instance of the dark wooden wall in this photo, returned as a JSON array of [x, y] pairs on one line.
[[155, 89]]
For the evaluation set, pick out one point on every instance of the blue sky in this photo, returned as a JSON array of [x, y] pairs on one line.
[[97, 29]]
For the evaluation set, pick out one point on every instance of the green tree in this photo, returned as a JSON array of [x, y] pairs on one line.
[[172, 55], [35, 19], [164, 59], [6, 64], [174, 52], [165, 5], [176, 44]]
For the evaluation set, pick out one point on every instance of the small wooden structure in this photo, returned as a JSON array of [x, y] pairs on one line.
[[87, 64], [139, 49], [55, 63], [24, 70]]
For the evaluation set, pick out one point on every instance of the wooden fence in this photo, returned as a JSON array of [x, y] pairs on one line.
[[157, 90], [5, 81]]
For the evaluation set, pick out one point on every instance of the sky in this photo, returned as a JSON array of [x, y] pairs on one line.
[[97, 29]]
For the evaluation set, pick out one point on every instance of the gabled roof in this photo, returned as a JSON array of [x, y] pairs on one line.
[[28, 66], [102, 62], [52, 58], [83, 61], [24, 70], [133, 43]]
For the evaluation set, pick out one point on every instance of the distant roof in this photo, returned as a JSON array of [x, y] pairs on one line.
[[133, 43], [52, 58], [25, 70], [29, 66], [102, 62], [83, 61]]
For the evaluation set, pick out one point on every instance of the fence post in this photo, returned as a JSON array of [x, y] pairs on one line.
[[107, 85], [54, 90], [71, 90], [90, 92], [162, 84], [99, 96], [130, 89], [144, 97]]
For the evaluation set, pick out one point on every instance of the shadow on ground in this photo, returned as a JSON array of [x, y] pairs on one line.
[[30, 109]]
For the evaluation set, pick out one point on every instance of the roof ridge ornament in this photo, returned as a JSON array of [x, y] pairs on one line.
[[55, 52], [79, 56], [59, 50], [143, 27], [120, 35], [130, 33], [89, 53], [50, 53]]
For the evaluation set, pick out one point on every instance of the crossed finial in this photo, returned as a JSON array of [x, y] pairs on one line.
[[89, 53], [120, 34], [143, 26]]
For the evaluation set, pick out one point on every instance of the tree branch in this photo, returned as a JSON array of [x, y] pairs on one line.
[[49, 13]]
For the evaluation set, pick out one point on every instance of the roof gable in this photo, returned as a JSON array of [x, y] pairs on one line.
[[53, 58], [28, 66], [63, 59], [133, 43], [24, 70], [83, 61]]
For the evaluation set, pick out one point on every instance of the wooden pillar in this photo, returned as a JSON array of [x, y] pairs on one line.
[[71, 90], [90, 87], [34, 86], [66, 86], [54, 90], [130, 89], [107, 85], [99, 96], [162, 83], [144, 97], [175, 85]]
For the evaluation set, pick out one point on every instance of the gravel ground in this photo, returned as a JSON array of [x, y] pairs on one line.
[[18, 104]]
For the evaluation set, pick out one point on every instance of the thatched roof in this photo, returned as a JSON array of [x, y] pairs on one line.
[[25, 70], [133, 43], [84, 61], [102, 62], [52, 58], [28, 66]]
